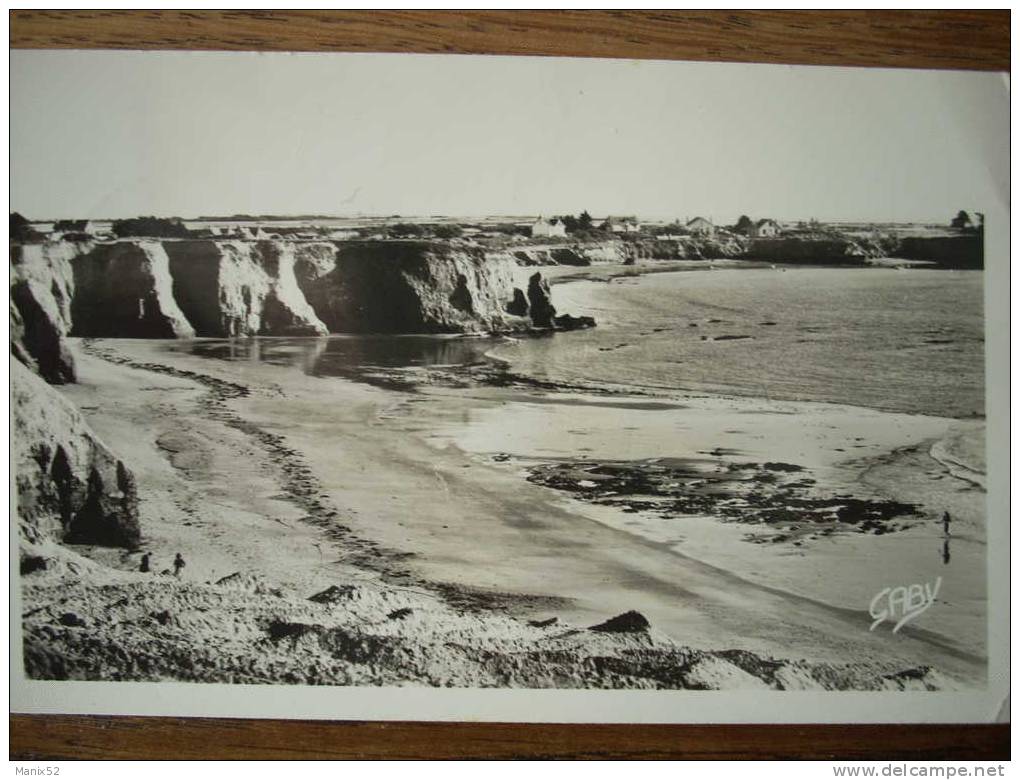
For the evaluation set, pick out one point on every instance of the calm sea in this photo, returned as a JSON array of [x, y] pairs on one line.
[[909, 340]]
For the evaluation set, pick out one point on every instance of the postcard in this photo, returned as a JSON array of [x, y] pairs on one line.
[[507, 388]]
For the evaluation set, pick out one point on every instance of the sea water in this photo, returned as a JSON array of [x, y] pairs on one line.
[[898, 340]]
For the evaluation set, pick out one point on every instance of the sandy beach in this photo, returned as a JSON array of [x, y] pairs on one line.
[[276, 487]]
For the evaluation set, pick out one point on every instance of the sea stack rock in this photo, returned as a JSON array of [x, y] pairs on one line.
[[519, 305], [540, 299]]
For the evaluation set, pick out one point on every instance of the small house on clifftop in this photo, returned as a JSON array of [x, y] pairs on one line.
[[699, 226], [764, 228], [548, 228]]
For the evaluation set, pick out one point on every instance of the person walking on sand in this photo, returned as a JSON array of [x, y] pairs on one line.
[[946, 519], [144, 567], [178, 565]]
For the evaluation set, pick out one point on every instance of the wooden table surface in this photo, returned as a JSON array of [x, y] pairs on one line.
[[975, 40]]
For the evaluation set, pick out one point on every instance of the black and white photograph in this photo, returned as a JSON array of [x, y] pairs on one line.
[[342, 381]]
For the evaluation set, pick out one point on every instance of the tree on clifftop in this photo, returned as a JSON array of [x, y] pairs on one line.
[[582, 222], [447, 231], [150, 227], [743, 224], [961, 221]]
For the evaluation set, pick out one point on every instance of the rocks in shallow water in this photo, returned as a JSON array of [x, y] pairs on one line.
[[543, 313], [400, 614], [627, 623], [570, 322], [782, 467], [775, 495]]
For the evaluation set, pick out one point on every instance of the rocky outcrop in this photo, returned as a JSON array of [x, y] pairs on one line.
[[41, 291], [180, 289], [540, 302], [962, 252], [225, 289], [575, 254], [830, 250], [410, 287], [70, 487], [543, 313], [630, 250], [123, 290], [241, 288]]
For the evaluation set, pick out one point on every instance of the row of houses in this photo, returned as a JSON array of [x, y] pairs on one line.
[[762, 228], [698, 226]]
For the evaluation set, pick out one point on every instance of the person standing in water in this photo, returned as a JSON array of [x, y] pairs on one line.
[[178, 565], [946, 519]]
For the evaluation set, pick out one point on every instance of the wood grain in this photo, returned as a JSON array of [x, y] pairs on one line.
[[56, 737], [913, 39]]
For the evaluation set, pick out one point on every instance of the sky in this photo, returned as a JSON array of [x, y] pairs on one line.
[[116, 134]]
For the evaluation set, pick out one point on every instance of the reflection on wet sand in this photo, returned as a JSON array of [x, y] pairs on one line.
[[350, 356]]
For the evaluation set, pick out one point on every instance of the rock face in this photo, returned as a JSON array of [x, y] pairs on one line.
[[240, 288], [834, 250], [225, 289], [578, 254], [964, 252], [540, 300], [519, 306], [628, 251], [42, 287], [543, 313], [409, 287], [125, 290], [70, 488]]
